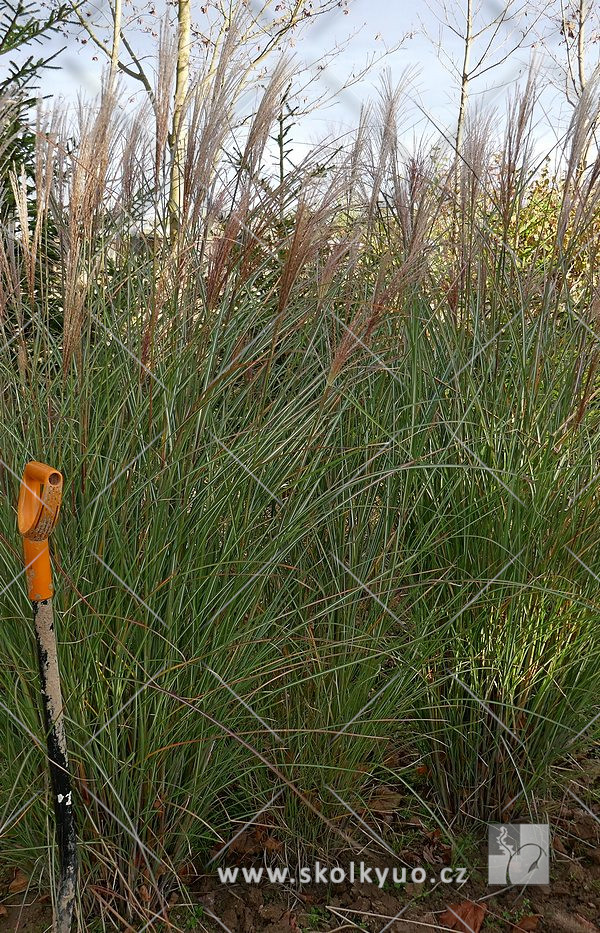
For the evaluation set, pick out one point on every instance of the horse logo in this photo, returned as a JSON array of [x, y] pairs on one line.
[[518, 853]]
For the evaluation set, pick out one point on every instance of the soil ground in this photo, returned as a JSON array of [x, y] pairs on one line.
[[569, 904]]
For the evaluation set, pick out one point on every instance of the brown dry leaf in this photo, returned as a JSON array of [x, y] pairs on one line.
[[271, 844], [465, 917], [528, 923], [384, 800], [446, 854], [3, 911], [429, 855], [254, 842], [508, 805], [558, 845], [585, 828], [291, 919], [595, 856], [586, 924], [19, 882], [186, 872], [306, 898]]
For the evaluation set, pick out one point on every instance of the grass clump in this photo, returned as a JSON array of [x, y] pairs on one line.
[[330, 508]]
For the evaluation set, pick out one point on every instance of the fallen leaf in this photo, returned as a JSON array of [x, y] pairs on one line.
[[3, 911], [19, 882], [186, 872], [586, 924], [446, 854], [508, 805], [306, 898], [428, 855], [585, 828], [254, 841], [291, 919], [528, 923], [558, 845], [384, 800], [595, 856], [271, 844], [465, 917]]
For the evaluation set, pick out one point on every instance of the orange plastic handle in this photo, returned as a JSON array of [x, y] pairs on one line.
[[40, 496]]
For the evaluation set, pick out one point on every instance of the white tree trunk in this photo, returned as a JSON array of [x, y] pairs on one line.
[[178, 133], [464, 81]]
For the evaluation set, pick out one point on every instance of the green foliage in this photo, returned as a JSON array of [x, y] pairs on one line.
[[22, 23]]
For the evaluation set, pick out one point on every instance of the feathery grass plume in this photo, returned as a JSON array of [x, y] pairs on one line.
[[50, 136], [516, 152], [263, 120], [92, 169], [27, 243], [250, 213], [163, 95], [473, 198], [136, 192], [219, 265], [11, 298], [583, 123], [332, 263], [473, 180], [386, 302], [384, 139], [414, 203], [210, 117], [32, 214], [356, 183], [313, 223]]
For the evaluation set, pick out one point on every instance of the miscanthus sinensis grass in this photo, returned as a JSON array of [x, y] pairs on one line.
[[330, 518]]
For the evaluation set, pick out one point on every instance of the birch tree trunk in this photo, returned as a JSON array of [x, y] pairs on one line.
[[178, 132], [116, 41], [464, 81], [582, 16]]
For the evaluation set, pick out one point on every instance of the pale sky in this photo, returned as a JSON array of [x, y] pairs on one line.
[[415, 40]]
